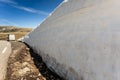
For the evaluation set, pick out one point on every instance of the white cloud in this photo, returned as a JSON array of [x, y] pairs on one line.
[[5, 21], [15, 5], [8, 1], [30, 9]]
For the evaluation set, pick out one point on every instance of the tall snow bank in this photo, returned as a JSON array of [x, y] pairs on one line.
[[81, 40]]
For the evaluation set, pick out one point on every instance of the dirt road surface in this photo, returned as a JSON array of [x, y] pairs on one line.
[[5, 50], [24, 64]]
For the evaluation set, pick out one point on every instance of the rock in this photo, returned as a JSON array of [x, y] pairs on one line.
[[24, 71]]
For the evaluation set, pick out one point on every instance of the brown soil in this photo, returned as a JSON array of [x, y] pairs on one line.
[[24, 64]]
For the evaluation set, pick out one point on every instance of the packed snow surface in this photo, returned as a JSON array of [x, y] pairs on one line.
[[80, 40]]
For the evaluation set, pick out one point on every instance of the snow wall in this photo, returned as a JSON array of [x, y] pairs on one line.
[[80, 40]]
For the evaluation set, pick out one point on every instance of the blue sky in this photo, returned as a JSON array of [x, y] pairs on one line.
[[25, 13]]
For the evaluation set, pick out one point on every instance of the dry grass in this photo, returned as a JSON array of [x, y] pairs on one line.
[[4, 36], [18, 32]]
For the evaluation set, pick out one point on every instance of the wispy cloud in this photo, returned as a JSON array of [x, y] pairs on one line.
[[8, 1], [30, 10], [15, 5], [5, 21]]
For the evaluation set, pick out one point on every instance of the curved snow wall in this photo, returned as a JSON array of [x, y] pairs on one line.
[[81, 40]]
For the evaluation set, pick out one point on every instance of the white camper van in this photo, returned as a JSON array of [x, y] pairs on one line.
[[11, 37]]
